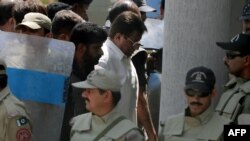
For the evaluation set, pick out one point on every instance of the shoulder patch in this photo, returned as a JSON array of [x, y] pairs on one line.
[[22, 121], [23, 134]]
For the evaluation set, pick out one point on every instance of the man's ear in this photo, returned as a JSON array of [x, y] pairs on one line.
[[214, 92], [107, 95], [49, 35], [247, 60], [161, 12], [12, 21], [81, 48], [80, 51], [63, 37], [11, 24], [118, 38]]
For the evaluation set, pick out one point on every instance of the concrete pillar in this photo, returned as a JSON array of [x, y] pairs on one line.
[[98, 11], [191, 29]]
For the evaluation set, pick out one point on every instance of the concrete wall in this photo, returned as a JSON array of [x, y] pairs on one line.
[[191, 29]]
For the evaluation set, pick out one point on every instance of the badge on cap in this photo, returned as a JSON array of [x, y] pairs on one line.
[[235, 38], [198, 76]]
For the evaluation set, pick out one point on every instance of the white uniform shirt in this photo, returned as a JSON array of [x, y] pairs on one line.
[[115, 60]]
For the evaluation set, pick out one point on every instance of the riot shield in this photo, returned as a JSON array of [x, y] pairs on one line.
[[38, 71], [37, 67]]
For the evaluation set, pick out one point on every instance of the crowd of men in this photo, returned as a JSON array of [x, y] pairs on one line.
[[107, 95]]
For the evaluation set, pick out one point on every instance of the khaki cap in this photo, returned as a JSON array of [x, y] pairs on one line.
[[35, 21], [102, 79]]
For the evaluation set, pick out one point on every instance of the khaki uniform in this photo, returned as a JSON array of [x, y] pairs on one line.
[[206, 127], [15, 123], [235, 100], [87, 127]]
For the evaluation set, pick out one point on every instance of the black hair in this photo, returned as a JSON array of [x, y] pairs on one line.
[[120, 7], [3, 77], [127, 23], [71, 2], [116, 96], [163, 4], [24, 7], [64, 21], [6, 11], [55, 7], [87, 33]]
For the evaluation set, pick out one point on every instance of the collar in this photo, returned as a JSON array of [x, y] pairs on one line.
[[4, 93], [108, 117], [117, 51], [200, 119], [83, 121], [239, 84], [235, 80], [240, 80], [231, 82]]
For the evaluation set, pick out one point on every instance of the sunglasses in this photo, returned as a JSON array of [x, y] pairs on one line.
[[231, 55], [192, 93], [135, 45]]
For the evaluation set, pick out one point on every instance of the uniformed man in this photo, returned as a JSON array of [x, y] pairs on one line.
[[144, 8], [245, 18], [36, 24], [198, 122], [103, 122], [15, 123], [236, 98]]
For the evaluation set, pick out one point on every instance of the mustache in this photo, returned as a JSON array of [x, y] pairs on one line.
[[196, 103], [86, 99]]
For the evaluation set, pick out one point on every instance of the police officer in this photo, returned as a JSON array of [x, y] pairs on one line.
[[103, 122], [36, 24], [236, 98], [198, 122], [15, 123], [245, 18]]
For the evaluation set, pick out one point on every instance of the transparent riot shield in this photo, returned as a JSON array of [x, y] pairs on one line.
[[37, 67], [38, 71]]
